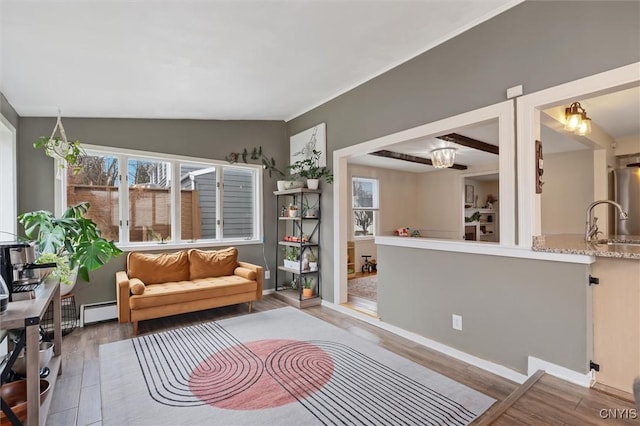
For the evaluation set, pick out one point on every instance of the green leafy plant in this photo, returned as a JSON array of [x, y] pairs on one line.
[[310, 168], [473, 218], [291, 253], [256, 154], [70, 152], [62, 271], [308, 282], [73, 236]]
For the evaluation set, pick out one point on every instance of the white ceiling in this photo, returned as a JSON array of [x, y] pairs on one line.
[[211, 59], [487, 132]]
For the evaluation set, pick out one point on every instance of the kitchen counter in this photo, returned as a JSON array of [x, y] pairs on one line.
[[624, 247]]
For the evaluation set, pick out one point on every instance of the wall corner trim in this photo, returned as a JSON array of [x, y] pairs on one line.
[[585, 380], [489, 366]]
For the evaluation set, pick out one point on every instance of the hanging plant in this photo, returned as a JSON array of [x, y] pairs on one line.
[[69, 153]]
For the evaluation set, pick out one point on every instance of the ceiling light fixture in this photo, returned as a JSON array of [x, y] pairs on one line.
[[577, 120], [442, 158]]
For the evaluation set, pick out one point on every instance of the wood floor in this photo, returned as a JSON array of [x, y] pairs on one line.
[[76, 398]]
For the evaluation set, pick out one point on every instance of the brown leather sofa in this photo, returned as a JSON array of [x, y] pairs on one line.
[[159, 285]]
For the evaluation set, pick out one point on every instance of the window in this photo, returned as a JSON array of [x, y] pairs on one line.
[[150, 209], [198, 202], [364, 206], [8, 181], [97, 182], [135, 199]]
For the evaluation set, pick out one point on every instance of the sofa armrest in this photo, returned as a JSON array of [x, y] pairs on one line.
[[259, 276], [122, 296]]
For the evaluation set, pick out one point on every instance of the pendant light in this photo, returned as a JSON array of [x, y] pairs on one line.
[[444, 157]]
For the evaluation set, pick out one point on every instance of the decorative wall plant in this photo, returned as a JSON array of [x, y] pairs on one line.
[[256, 154]]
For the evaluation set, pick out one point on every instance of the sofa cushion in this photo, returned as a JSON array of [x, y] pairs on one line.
[[136, 286], [247, 273], [186, 291], [158, 268], [212, 263]]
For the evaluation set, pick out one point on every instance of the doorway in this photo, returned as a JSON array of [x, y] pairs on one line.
[[436, 194]]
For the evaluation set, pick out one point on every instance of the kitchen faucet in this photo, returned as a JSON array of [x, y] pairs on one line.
[[591, 229]]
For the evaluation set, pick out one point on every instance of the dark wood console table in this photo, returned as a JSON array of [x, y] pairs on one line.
[[26, 314]]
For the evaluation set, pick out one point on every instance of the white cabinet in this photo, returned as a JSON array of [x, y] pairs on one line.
[[481, 225]]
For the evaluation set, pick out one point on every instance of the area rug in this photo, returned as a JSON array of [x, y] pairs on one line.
[[280, 367], [365, 287]]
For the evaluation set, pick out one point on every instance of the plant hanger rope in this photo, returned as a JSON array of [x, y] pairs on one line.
[[59, 147]]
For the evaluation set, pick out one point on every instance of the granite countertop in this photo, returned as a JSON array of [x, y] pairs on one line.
[[623, 248]]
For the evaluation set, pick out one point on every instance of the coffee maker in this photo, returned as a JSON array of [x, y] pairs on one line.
[[18, 267]]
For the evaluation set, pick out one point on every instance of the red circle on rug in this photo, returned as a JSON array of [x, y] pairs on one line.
[[289, 370]]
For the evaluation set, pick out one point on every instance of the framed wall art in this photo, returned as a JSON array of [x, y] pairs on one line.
[[303, 143], [468, 194]]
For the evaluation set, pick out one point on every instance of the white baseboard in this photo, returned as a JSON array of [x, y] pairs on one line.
[[585, 380], [489, 366], [268, 291]]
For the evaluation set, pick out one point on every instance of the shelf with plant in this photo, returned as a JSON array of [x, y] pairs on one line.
[[293, 244]]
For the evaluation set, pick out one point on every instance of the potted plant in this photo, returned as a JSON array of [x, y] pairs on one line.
[[69, 152], [72, 239], [307, 286], [291, 258], [310, 168]]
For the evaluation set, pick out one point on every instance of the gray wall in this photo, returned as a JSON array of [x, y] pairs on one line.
[[538, 44], [510, 307], [8, 112], [195, 138]]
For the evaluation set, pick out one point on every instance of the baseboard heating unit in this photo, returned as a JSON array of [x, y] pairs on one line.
[[96, 312]]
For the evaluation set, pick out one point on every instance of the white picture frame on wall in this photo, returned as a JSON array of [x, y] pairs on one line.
[[303, 143]]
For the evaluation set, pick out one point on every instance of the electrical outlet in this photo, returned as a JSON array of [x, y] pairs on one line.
[[456, 322], [267, 274]]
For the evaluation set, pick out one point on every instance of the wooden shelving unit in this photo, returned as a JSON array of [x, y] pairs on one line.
[[289, 280], [485, 229], [351, 259], [26, 314]]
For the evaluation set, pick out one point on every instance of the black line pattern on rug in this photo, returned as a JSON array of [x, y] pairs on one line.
[[361, 390], [168, 361]]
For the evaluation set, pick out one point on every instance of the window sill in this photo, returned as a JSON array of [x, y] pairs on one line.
[[156, 246], [483, 248]]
